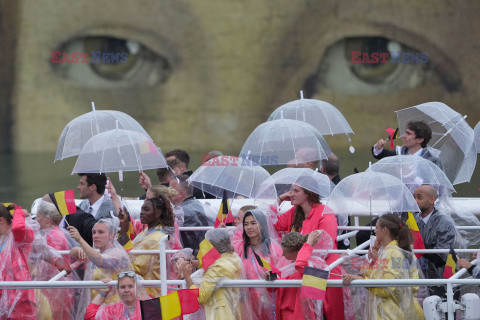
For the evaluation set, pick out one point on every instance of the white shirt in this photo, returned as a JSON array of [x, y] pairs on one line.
[[377, 152], [425, 220], [95, 207]]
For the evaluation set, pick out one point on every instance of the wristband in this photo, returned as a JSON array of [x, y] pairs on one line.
[[103, 294]]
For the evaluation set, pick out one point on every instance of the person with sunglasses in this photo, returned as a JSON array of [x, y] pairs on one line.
[[129, 290]]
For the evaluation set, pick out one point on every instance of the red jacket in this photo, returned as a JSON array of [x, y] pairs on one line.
[[17, 304], [334, 306]]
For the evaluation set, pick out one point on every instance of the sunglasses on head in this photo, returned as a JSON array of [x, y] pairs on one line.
[[130, 274]]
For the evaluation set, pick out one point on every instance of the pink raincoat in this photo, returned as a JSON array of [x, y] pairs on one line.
[[113, 311], [334, 301], [14, 254]]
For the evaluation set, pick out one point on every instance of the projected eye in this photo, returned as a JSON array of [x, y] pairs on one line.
[[371, 65], [103, 61]]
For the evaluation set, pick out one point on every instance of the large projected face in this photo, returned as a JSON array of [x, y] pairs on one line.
[[201, 75]]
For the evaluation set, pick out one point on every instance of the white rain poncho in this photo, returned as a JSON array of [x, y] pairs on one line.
[[119, 310], [113, 260], [44, 261], [221, 303], [260, 303], [15, 248], [396, 302]]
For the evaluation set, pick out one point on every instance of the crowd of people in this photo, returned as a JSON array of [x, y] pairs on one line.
[[101, 233]]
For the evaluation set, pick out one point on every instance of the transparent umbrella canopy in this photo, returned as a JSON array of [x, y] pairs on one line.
[[306, 178], [77, 132], [371, 192], [322, 115], [414, 171], [476, 135], [238, 176], [285, 141], [119, 150], [451, 136]]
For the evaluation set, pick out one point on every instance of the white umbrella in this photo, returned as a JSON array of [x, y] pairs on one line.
[[369, 192], [451, 136], [322, 115], [306, 178], [415, 171], [119, 150], [237, 175], [77, 132], [285, 141]]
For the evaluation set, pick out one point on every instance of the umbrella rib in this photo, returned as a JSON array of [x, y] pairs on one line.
[[293, 145], [135, 153]]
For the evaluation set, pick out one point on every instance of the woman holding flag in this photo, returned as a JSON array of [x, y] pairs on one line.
[[16, 239], [224, 264], [392, 258], [259, 253], [307, 215]]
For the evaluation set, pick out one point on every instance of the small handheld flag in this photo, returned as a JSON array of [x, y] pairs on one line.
[[451, 264], [270, 267], [207, 254], [417, 236], [224, 212], [64, 201], [392, 135], [314, 283], [175, 304]]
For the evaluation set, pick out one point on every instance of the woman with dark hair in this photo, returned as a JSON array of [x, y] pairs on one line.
[[258, 241], [157, 214], [16, 239], [306, 216], [392, 258]]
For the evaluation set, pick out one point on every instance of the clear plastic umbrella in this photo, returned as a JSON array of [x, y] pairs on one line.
[[371, 192], [304, 177], [415, 171], [119, 150], [285, 141], [476, 136], [77, 132], [237, 175], [320, 114], [451, 136]]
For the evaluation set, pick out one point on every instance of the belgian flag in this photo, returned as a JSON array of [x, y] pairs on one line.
[[6, 204], [314, 283], [451, 264], [224, 212], [207, 254], [265, 264], [175, 304], [417, 237], [392, 135], [131, 235], [64, 201]]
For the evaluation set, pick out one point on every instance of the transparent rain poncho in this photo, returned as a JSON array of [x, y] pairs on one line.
[[285, 141], [415, 171], [15, 251], [312, 308], [43, 262], [221, 303], [260, 303], [119, 310], [113, 260], [396, 302]]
